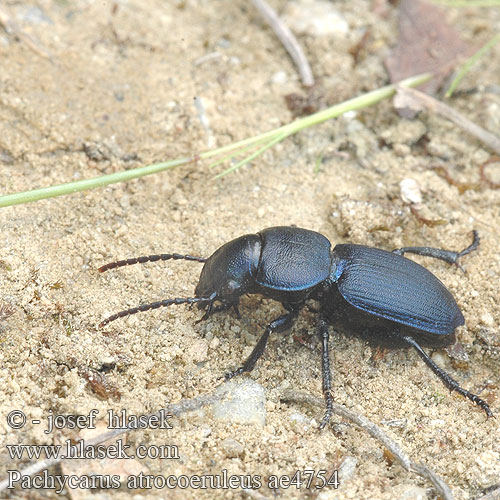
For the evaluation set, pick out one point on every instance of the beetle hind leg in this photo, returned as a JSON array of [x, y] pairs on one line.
[[449, 256], [279, 325], [325, 368], [448, 381]]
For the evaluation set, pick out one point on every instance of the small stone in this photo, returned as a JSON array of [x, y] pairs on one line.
[[198, 351], [34, 15], [206, 431], [125, 201], [414, 493], [314, 17], [223, 43], [407, 132], [458, 354], [438, 358], [401, 150], [347, 469], [214, 343], [279, 77], [438, 422], [244, 403], [178, 198], [410, 191], [487, 319], [232, 448]]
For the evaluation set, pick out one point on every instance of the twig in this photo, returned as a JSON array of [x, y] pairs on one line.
[[176, 409], [441, 487], [418, 100], [491, 493], [202, 116], [288, 40]]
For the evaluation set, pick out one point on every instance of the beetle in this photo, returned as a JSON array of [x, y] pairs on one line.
[[380, 295]]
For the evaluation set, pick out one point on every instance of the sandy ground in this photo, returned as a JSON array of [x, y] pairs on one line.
[[117, 92]]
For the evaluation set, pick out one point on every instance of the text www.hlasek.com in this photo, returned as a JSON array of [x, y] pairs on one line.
[[81, 450]]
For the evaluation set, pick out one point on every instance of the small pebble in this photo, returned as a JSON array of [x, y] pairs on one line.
[[232, 448], [347, 469], [487, 319], [438, 358], [314, 17], [410, 191], [414, 493], [34, 15], [244, 403], [279, 77]]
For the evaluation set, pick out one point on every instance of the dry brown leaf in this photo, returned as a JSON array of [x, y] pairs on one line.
[[426, 44]]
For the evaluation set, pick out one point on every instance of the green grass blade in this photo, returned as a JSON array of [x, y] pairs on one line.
[[235, 153], [274, 136], [359, 102], [85, 184], [470, 62], [249, 158]]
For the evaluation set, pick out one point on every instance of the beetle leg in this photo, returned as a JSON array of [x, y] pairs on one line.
[[325, 367], [211, 309], [449, 382], [279, 325], [236, 310], [449, 256]]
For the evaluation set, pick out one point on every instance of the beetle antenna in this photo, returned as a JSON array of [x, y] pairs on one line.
[[149, 258], [156, 305]]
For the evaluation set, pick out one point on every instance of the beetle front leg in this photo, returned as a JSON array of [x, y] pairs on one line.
[[448, 381], [279, 325], [449, 256], [220, 308], [325, 368]]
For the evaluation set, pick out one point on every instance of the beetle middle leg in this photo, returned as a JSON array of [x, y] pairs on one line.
[[449, 256], [448, 381], [279, 325]]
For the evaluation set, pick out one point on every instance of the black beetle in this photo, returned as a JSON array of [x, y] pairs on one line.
[[380, 295]]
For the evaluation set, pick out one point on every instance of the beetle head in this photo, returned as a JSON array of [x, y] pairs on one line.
[[229, 272], [226, 275]]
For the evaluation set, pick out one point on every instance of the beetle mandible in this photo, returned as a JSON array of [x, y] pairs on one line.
[[380, 295]]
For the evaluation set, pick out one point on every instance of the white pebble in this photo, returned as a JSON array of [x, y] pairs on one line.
[[314, 17], [410, 191], [244, 403]]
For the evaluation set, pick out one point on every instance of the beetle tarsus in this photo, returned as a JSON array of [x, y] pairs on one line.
[[449, 256], [448, 381]]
